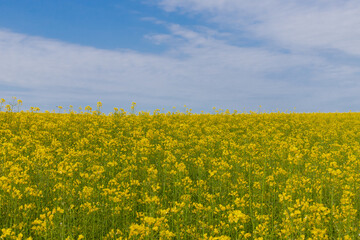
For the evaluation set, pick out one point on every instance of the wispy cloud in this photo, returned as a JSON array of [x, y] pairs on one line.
[[289, 24], [322, 32]]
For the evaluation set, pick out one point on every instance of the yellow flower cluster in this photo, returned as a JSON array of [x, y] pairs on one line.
[[178, 175]]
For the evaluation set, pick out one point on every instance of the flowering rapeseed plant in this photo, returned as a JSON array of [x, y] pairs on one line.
[[179, 176]]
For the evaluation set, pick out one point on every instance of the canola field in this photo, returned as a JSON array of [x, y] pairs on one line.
[[179, 175]]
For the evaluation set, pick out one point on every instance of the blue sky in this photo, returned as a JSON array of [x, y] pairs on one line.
[[163, 53], [101, 24]]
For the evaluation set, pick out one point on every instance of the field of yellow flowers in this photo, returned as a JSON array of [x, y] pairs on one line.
[[178, 175]]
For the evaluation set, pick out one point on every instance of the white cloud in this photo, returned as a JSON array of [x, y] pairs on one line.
[[39, 63], [294, 24], [200, 69]]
